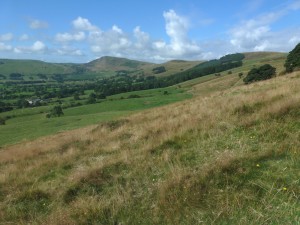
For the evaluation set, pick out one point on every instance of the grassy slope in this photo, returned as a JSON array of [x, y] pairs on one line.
[[229, 156]]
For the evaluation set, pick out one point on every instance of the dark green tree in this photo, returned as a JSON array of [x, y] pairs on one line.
[[262, 73], [2, 121], [293, 59], [56, 111], [92, 98], [76, 96]]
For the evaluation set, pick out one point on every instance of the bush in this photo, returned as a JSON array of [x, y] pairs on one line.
[[293, 59], [262, 73]]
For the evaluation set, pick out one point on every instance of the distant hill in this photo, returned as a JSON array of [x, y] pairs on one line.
[[104, 66], [33, 67], [109, 66], [114, 63]]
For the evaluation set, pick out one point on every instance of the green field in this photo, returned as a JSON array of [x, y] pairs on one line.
[[30, 123]]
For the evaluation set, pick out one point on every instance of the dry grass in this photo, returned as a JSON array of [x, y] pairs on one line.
[[180, 164]]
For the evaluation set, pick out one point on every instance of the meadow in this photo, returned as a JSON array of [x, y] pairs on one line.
[[30, 123]]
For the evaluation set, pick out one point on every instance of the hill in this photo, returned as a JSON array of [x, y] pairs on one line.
[[108, 63], [33, 67], [104, 66], [229, 155]]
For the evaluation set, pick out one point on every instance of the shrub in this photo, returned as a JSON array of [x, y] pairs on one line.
[[262, 73]]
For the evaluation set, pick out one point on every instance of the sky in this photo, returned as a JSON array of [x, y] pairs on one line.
[[155, 31]]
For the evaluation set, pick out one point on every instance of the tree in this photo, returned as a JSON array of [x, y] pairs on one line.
[[92, 98], [293, 59], [262, 73], [2, 121], [76, 96], [56, 111]]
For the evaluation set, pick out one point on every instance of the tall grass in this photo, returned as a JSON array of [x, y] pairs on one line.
[[232, 157]]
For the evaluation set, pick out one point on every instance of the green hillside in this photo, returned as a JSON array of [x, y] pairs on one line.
[[33, 67], [222, 153]]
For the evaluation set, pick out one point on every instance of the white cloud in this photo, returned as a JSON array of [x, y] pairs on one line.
[[65, 37], [83, 24], [257, 34], [140, 45], [66, 50], [180, 46], [4, 47], [117, 29], [37, 24], [6, 37], [17, 50], [24, 37], [142, 38], [38, 46], [110, 41]]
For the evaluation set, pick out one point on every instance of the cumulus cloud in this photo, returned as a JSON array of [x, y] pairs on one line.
[[256, 34], [83, 24], [110, 41], [37, 24], [4, 47], [36, 47], [6, 37], [142, 38], [177, 29], [65, 37]]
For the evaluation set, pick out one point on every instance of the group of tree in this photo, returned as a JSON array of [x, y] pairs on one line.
[[262, 73], [159, 69], [56, 111], [266, 71], [16, 76]]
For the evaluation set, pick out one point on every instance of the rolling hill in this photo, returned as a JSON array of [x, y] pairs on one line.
[[104, 66], [228, 155]]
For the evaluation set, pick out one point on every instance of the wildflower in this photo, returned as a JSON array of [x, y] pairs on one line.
[[285, 189], [257, 165]]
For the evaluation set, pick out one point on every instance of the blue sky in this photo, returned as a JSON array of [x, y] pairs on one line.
[[157, 30]]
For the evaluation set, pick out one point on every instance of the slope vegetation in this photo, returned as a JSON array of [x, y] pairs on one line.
[[228, 156]]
